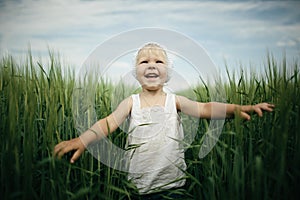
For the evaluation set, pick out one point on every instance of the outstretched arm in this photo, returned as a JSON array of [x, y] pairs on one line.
[[99, 130], [215, 110]]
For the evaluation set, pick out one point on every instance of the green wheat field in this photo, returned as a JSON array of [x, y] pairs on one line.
[[257, 159]]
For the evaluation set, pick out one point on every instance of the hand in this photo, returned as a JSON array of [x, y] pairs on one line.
[[258, 109], [70, 145]]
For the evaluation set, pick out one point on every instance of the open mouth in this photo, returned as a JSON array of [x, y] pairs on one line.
[[151, 75]]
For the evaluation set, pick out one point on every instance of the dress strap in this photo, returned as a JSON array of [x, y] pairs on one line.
[[170, 104], [135, 101]]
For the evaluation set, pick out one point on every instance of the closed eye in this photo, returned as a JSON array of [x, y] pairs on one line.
[[159, 61], [143, 62]]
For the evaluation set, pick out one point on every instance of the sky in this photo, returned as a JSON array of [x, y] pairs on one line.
[[232, 32]]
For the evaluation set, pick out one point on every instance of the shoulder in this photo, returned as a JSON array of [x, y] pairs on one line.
[[178, 100], [183, 102], [126, 104], [129, 100]]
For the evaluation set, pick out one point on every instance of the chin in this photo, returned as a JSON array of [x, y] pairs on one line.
[[152, 87]]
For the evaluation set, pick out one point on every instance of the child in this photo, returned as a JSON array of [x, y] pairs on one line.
[[157, 163]]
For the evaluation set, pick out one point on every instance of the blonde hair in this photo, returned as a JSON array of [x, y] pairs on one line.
[[152, 48]]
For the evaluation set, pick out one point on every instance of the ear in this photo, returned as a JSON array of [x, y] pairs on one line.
[[169, 69], [169, 72], [133, 72]]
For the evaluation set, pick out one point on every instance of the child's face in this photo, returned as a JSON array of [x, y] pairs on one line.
[[151, 67]]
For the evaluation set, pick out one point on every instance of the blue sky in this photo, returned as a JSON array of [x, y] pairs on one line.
[[235, 31]]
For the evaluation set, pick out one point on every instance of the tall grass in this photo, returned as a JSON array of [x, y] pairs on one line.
[[257, 159]]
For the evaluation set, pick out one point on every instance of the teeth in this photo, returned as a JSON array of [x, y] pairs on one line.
[[151, 75]]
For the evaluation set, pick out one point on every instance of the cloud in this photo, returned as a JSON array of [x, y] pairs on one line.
[[76, 27], [287, 42]]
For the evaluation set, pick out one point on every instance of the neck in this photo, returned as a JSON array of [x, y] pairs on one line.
[[151, 98], [152, 92]]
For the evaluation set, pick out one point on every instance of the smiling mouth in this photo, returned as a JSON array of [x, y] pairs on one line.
[[151, 75]]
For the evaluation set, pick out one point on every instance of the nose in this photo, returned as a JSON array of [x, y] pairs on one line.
[[151, 67]]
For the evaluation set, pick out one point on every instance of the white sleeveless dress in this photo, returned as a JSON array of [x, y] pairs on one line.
[[156, 155]]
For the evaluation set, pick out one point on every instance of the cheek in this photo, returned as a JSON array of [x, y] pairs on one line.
[[139, 73], [163, 72]]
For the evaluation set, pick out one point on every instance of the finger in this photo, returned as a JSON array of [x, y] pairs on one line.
[[258, 111], [269, 107], [58, 148], [67, 148], [76, 155], [245, 116], [263, 107]]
